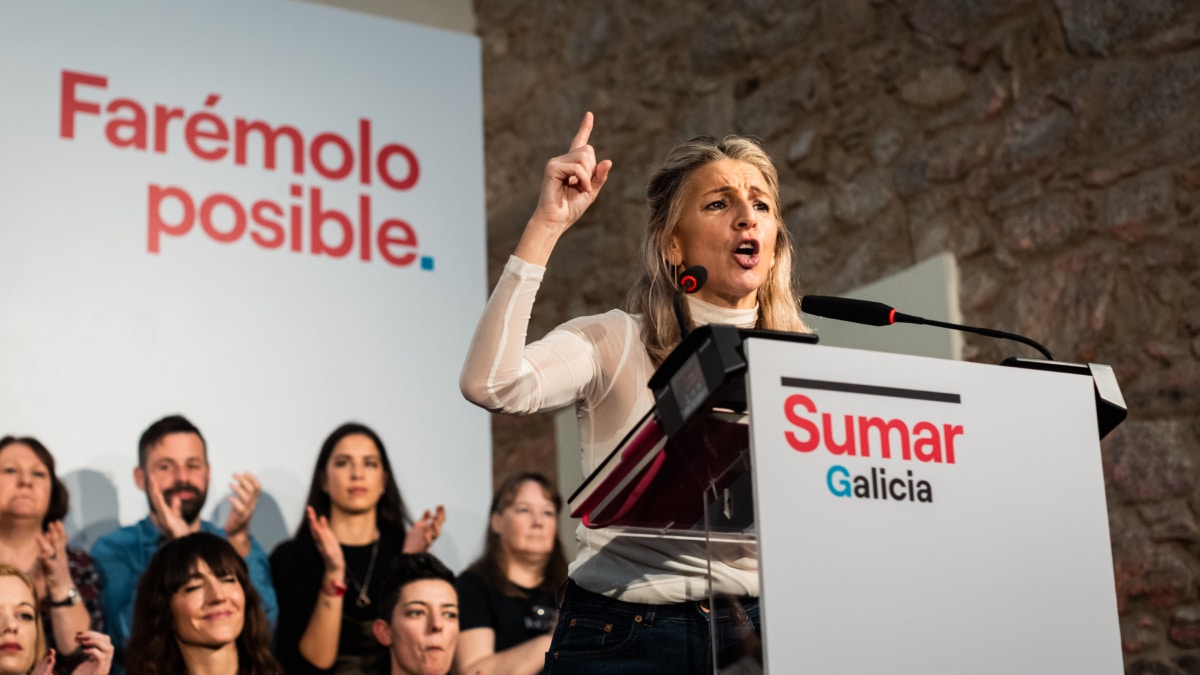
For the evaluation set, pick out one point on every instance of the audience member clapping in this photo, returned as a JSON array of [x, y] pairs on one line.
[[23, 642], [33, 502], [418, 621], [174, 473], [197, 612], [330, 577], [507, 596]]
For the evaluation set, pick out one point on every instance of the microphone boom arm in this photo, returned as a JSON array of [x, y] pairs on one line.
[[988, 332]]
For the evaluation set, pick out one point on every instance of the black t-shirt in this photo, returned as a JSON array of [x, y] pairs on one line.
[[298, 571], [514, 620]]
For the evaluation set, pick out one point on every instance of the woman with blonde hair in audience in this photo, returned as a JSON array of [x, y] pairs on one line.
[[23, 642], [197, 613], [506, 598], [33, 502]]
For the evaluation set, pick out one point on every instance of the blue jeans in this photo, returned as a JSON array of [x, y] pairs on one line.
[[599, 635]]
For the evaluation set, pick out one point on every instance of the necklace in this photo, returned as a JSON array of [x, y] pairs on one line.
[[363, 600]]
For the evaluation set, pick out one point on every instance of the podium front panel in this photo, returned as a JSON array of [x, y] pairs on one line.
[[920, 515]]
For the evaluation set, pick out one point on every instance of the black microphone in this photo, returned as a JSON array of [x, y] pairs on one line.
[[690, 281], [879, 314]]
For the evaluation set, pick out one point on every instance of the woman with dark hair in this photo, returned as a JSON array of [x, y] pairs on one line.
[[331, 573], [418, 616], [506, 598], [639, 604], [196, 612], [33, 502]]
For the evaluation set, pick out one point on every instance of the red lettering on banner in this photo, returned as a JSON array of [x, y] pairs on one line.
[[297, 212], [242, 129], [364, 224], [208, 136], [216, 131], [364, 151], [223, 218], [137, 124], [158, 226], [320, 216], [318, 159], [71, 105], [235, 209], [414, 167], [273, 226], [162, 117], [405, 236]]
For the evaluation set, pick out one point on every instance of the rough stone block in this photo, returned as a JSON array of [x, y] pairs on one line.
[[1136, 202], [856, 201], [1185, 626], [770, 109], [1150, 461], [1140, 632], [1158, 574], [811, 221], [1129, 102], [932, 87], [1165, 392], [1048, 222], [1171, 520], [1097, 27]]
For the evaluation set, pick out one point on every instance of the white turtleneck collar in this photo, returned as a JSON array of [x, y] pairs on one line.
[[705, 313]]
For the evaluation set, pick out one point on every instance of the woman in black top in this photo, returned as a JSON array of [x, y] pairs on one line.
[[506, 598], [329, 577]]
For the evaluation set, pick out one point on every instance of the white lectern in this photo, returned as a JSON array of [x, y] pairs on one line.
[[912, 515]]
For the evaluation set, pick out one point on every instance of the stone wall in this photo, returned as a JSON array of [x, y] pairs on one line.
[[1052, 146]]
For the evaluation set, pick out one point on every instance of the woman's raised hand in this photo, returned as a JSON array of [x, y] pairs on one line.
[[98, 650], [569, 186], [327, 544], [52, 557], [424, 531], [44, 665]]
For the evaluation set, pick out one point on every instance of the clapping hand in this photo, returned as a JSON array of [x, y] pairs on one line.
[[327, 545], [169, 515], [424, 531], [98, 652], [52, 557], [245, 488]]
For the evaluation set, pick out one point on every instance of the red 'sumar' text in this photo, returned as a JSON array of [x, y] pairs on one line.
[[923, 441]]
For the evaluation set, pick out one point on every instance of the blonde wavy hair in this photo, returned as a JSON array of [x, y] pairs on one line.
[[39, 647], [651, 297]]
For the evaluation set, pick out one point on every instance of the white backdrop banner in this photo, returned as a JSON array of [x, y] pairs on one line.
[[268, 217], [921, 515]]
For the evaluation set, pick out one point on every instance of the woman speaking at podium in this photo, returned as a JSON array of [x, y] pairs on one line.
[[635, 604]]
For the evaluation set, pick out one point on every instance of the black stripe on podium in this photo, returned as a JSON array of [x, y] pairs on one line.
[[895, 392]]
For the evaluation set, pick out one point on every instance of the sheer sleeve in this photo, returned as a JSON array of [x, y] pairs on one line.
[[504, 374]]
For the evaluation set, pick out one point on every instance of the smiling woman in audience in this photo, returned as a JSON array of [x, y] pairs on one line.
[[197, 613]]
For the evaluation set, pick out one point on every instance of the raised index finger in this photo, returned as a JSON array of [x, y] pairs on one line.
[[585, 130]]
